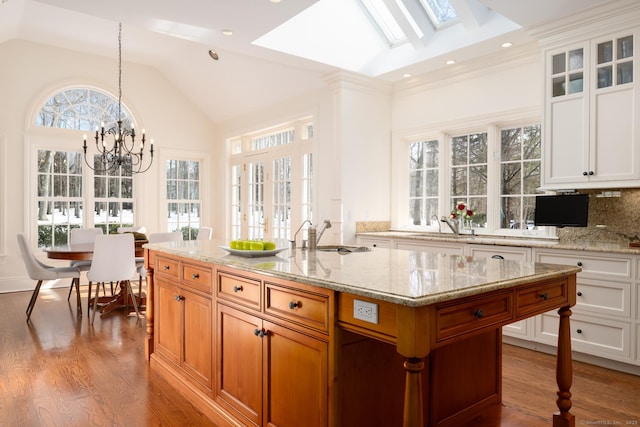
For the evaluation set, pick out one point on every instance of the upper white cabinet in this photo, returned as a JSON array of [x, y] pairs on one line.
[[592, 134]]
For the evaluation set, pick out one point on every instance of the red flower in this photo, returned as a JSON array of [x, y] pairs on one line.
[[461, 207], [469, 212], [454, 215]]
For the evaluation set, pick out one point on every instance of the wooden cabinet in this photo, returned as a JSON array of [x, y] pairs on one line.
[[272, 366], [592, 136], [183, 319]]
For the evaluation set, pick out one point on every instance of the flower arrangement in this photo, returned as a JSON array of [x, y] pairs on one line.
[[461, 213]]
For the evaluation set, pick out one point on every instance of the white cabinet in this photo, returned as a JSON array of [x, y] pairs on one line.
[[602, 323], [432, 246], [592, 135], [372, 242]]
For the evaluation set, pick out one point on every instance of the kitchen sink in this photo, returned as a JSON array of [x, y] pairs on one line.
[[342, 249]]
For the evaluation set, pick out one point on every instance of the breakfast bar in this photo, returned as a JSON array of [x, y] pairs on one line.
[[341, 338]]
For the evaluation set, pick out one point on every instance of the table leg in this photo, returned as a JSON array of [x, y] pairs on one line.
[[413, 413], [564, 372]]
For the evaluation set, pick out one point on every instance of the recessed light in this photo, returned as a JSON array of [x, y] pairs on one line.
[[227, 32], [450, 62], [213, 55], [506, 44], [275, 1], [406, 75]]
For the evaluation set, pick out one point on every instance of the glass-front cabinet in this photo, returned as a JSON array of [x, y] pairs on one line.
[[591, 137]]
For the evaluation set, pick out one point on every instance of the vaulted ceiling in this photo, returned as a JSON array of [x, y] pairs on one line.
[[278, 49]]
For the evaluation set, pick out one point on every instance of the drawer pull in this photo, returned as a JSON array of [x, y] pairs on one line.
[[544, 296], [195, 276], [579, 294], [579, 263], [237, 289], [165, 268], [478, 314], [579, 331], [293, 304], [497, 257], [259, 332], [178, 297]]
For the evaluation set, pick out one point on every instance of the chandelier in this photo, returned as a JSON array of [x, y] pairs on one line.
[[122, 153]]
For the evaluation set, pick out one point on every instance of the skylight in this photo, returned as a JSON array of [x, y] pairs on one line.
[[382, 17], [439, 11]]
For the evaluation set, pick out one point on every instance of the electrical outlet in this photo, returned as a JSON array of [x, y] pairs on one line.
[[365, 311]]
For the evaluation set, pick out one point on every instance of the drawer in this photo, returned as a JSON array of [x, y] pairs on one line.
[[541, 297], [374, 243], [473, 313], [593, 265], [599, 337], [305, 308], [386, 327], [494, 251], [241, 290], [167, 267], [197, 277], [596, 296]]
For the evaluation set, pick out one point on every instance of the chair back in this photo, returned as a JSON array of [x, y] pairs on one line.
[[174, 236], [36, 269], [113, 258], [84, 235], [204, 233]]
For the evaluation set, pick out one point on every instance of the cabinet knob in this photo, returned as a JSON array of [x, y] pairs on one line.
[[259, 333], [293, 304], [237, 288], [478, 314], [195, 276], [375, 245], [544, 296], [165, 268], [585, 173], [590, 172], [579, 263], [579, 294], [579, 331], [178, 297]]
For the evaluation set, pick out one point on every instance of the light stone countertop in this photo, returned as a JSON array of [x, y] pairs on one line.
[[598, 246], [410, 278]]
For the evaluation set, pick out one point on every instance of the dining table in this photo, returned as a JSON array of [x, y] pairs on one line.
[[84, 252]]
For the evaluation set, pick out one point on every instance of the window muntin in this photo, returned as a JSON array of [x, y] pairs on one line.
[[469, 167], [424, 159], [520, 157], [113, 198], [59, 196], [274, 139], [281, 205], [440, 11], [183, 197]]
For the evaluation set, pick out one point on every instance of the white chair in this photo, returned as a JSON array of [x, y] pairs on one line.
[[79, 236], [41, 272], [204, 233], [113, 261], [173, 236], [141, 229]]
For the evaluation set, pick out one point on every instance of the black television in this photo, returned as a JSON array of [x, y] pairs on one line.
[[562, 210]]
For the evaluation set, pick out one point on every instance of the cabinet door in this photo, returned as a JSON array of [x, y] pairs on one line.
[[197, 351], [239, 363], [168, 320], [296, 384]]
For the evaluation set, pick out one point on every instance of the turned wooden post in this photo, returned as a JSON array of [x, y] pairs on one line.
[[148, 345], [413, 415], [564, 372]]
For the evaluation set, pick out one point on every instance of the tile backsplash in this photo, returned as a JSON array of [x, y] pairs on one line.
[[611, 219]]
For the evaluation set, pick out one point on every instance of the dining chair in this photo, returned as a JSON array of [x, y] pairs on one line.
[[113, 261], [140, 229], [41, 272], [204, 233], [78, 236], [171, 236]]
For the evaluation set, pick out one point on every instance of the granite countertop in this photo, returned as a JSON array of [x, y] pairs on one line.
[[410, 278], [614, 247]]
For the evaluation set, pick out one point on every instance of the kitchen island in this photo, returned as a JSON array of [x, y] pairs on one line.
[[385, 337]]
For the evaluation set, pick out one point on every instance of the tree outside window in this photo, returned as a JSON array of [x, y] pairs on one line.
[[424, 158], [469, 166], [183, 197]]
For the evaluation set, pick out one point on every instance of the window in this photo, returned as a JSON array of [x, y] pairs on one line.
[[469, 175], [183, 197], [423, 182], [61, 177], [520, 175], [59, 196], [494, 171], [271, 182]]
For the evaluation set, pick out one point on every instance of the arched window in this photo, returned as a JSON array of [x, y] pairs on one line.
[[81, 109], [62, 202]]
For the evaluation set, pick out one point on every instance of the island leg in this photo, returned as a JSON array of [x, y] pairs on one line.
[[148, 345], [564, 372], [413, 415]]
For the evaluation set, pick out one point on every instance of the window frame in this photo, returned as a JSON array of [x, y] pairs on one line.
[[443, 132]]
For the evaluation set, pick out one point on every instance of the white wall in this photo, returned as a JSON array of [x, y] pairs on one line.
[[29, 73]]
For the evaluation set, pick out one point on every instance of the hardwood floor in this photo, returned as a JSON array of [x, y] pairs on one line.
[[59, 371]]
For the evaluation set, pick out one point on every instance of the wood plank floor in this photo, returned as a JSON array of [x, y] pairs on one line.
[[59, 371]]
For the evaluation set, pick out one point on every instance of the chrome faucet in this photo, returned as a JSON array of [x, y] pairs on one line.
[[314, 235], [295, 236], [453, 225]]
